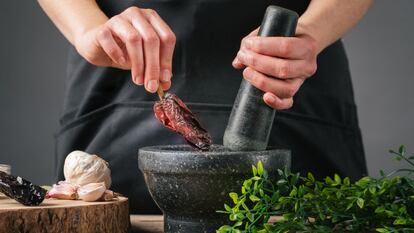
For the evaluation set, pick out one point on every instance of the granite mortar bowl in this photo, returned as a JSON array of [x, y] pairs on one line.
[[190, 186]]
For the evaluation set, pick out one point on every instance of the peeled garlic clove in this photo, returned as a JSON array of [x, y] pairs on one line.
[[63, 190], [92, 191], [82, 168]]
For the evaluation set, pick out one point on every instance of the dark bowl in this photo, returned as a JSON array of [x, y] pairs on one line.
[[190, 186]]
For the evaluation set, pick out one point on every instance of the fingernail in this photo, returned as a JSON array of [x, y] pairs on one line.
[[241, 55], [152, 85], [166, 75], [139, 81], [271, 98], [248, 74], [249, 43]]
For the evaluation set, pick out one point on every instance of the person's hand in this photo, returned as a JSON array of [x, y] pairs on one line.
[[277, 65], [137, 39]]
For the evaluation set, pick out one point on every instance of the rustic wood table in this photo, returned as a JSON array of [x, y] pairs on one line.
[[147, 224], [155, 223]]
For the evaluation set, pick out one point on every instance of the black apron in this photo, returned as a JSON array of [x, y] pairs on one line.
[[106, 114]]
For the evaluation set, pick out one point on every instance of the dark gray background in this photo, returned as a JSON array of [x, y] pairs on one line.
[[33, 56]]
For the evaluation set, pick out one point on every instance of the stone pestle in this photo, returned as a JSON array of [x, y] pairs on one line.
[[250, 122]]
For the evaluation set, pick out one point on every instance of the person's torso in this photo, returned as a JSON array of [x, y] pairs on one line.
[[208, 34]]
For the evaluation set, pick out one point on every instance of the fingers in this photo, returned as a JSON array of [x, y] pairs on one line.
[[151, 47], [283, 47], [276, 67], [167, 44], [133, 43], [283, 88], [107, 42], [140, 40], [277, 103], [236, 63]]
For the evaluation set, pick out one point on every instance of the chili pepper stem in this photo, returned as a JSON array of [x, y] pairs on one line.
[[160, 92]]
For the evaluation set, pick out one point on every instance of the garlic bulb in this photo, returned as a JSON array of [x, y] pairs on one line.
[[81, 168], [92, 191]]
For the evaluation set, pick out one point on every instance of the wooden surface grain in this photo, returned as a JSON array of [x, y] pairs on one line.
[[155, 223], [64, 216], [147, 224]]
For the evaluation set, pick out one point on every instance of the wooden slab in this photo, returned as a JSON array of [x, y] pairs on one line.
[[64, 216], [147, 224]]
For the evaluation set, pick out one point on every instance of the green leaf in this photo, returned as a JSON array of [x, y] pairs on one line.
[[360, 202], [254, 198], [240, 216], [372, 190], [261, 192], [234, 196], [347, 182], [329, 181], [349, 206], [237, 224], [260, 168], [382, 230], [254, 169], [337, 179], [243, 190], [293, 192], [281, 182], [311, 177], [400, 221], [226, 207], [250, 216], [224, 229], [401, 150], [379, 209]]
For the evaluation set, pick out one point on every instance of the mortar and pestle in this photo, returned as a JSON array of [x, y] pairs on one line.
[[189, 186]]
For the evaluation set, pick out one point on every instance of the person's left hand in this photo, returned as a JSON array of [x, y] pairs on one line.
[[277, 65]]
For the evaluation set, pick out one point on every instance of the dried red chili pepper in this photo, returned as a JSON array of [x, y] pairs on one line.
[[175, 115]]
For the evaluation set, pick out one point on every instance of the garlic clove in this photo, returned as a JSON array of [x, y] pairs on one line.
[[108, 195], [92, 191], [63, 190]]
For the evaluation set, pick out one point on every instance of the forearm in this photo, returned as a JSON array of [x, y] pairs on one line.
[[328, 20], [73, 17]]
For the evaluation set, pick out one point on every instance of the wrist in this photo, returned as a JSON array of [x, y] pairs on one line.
[[83, 30], [309, 31]]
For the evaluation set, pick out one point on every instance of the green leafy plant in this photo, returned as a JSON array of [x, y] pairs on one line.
[[384, 204]]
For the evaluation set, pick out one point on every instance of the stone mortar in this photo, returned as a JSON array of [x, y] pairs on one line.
[[190, 186]]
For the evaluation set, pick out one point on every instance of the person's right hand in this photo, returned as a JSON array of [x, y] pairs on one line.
[[137, 39]]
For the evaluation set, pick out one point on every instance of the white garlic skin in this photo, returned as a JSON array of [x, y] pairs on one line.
[[63, 190], [81, 168], [92, 191]]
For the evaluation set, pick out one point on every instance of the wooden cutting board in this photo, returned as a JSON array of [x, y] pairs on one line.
[[64, 216]]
